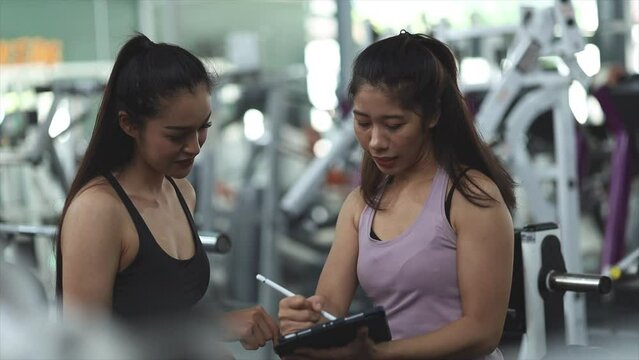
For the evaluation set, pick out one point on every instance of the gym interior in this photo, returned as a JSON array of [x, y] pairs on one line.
[[281, 157]]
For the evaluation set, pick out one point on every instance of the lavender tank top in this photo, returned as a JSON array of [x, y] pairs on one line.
[[414, 276]]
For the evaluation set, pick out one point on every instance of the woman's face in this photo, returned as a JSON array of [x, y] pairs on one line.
[[172, 139], [393, 136]]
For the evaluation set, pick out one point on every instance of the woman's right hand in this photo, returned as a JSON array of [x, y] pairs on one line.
[[296, 312], [253, 327]]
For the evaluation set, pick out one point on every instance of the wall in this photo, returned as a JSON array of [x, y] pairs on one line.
[[200, 25], [71, 21]]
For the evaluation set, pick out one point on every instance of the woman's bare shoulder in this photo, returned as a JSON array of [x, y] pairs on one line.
[[355, 198], [480, 181], [354, 205], [93, 229], [96, 196]]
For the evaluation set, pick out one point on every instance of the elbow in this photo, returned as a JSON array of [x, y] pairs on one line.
[[484, 338], [488, 342]]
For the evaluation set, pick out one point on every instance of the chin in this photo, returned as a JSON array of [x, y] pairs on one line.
[[178, 173], [387, 172]]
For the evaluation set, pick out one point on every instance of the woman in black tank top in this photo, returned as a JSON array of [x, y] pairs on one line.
[[127, 242]]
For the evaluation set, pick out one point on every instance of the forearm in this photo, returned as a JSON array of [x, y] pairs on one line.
[[464, 338], [336, 295]]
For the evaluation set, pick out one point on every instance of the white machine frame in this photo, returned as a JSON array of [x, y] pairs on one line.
[[536, 37], [534, 340]]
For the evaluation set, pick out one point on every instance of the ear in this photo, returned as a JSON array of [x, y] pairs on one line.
[[127, 125]]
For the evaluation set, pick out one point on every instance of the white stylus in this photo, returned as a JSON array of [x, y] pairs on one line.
[[287, 292]]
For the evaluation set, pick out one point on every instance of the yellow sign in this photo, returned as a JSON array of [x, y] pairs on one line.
[[30, 50]]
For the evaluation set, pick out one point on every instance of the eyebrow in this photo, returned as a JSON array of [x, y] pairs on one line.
[[176, 127], [384, 117]]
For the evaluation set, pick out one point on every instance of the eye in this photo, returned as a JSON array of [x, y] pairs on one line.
[[394, 126], [207, 125], [363, 124], [176, 138]]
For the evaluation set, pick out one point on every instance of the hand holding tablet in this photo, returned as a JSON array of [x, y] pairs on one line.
[[336, 332]]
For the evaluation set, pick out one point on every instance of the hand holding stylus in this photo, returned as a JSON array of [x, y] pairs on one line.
[[287, 292]]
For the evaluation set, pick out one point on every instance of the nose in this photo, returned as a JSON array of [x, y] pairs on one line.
[[193, 145], [378, 140]]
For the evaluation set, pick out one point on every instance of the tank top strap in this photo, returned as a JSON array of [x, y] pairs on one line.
[[437, 196], [138, 221], [185, 207]]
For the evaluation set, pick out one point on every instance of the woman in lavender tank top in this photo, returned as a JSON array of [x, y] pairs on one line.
[[428, 235]]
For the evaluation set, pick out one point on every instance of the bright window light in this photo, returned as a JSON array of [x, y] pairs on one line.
[[577, 100], [322, 61], [322, 7], [321, 120], [8, 104], [474, 71], [634, 50], [230, 93], [253, 124], [595, 113], [61, 119], [589, 59], [587, 15], [322, 147]]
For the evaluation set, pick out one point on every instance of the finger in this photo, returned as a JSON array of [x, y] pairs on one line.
[[299, 315], [254, 340], [297, 326], [260, 337], [288, 327], [248, 345], [265, 328], [273, 328], [293, 302], [317, 302]]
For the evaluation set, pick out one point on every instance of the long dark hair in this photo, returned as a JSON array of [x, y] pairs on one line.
[[420, 72], [144, 74]]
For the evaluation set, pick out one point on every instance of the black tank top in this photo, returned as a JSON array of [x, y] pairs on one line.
[[155, 283]]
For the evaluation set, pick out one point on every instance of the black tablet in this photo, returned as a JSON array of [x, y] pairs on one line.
[[337, 332]]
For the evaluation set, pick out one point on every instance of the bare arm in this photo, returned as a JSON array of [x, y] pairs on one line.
[[338, 280], [484, 265], [91, 245]]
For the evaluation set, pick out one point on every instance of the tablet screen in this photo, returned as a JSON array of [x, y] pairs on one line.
[[337, 332]]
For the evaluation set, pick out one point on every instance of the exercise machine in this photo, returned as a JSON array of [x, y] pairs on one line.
[[618, 104], [540, 281], [505, 117]]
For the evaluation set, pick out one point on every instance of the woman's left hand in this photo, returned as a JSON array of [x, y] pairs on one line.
[[362, 348]]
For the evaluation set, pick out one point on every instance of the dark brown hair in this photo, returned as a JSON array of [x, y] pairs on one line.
[[143, 75], [420, 72]]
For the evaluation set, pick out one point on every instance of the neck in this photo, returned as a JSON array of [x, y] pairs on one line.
[[424, 169], [140, 178]]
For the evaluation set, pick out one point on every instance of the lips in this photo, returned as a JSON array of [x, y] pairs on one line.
[[384, 161], [185, 162]]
